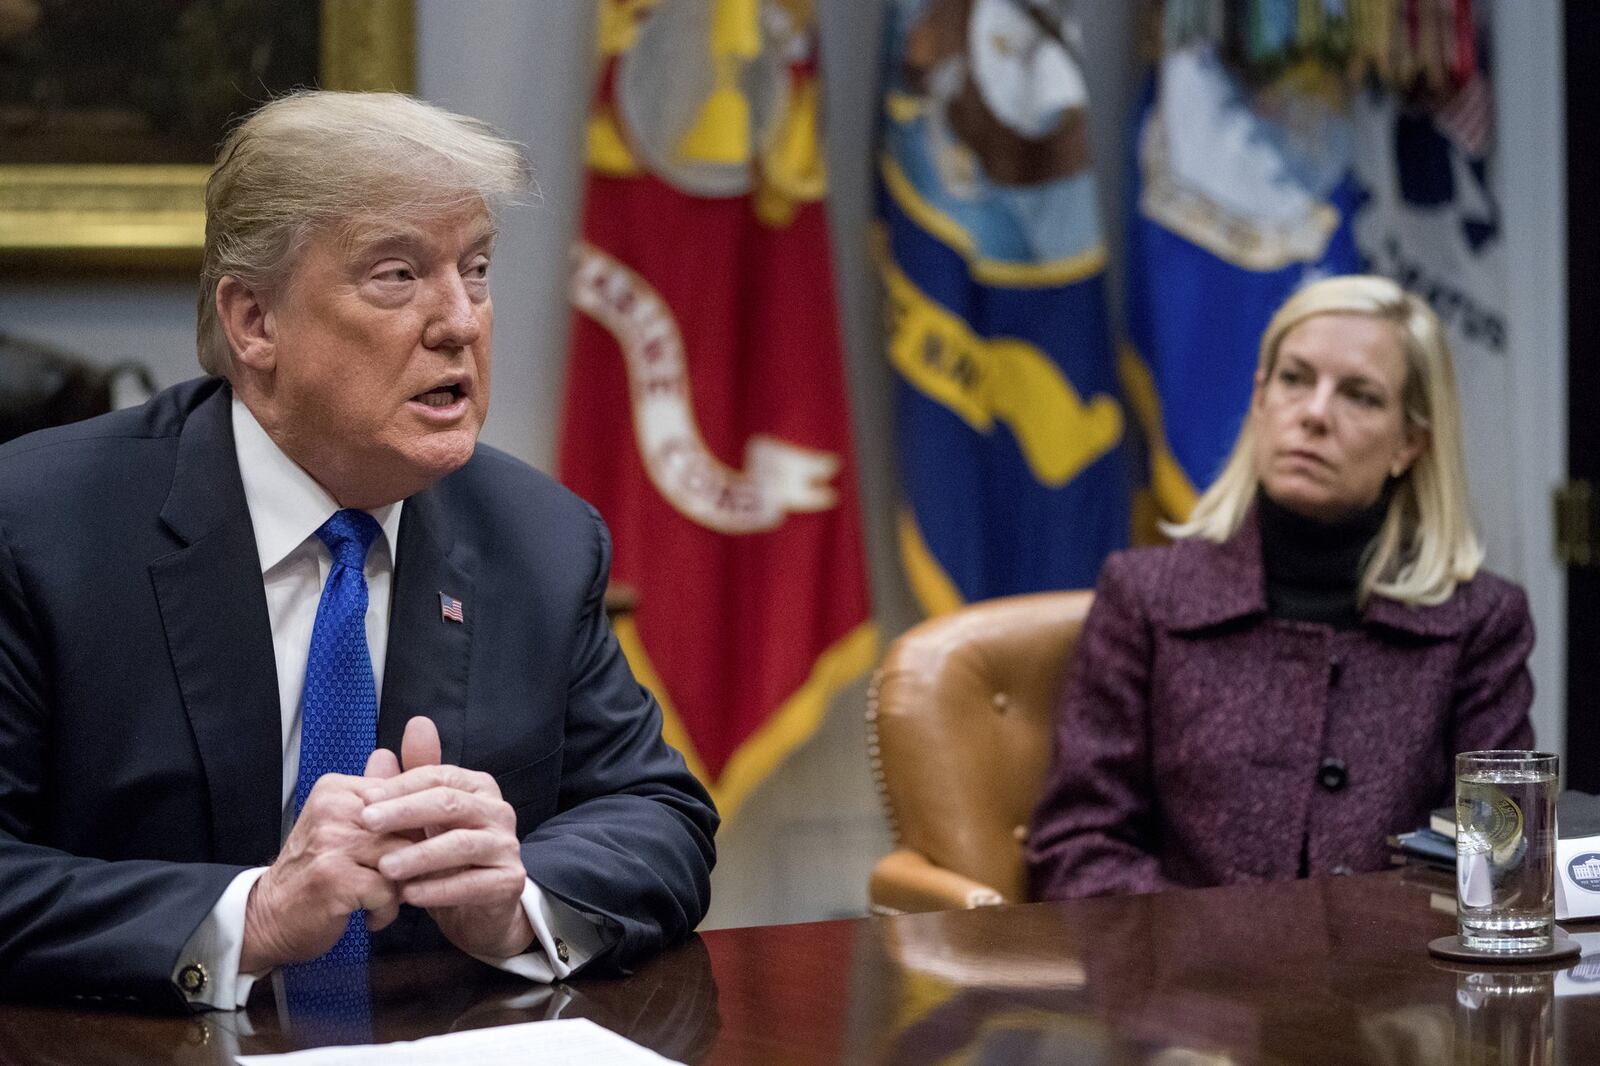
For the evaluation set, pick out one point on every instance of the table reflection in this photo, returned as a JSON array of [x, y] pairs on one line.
[[1505, 1016], [961, 1000], [669, 1006], [1220, 978], [63, 1036], [1332, 971]]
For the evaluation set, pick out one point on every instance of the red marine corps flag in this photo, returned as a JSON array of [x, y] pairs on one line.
[[706, 414]]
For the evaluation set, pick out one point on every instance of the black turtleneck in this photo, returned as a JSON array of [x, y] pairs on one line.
[[1313, 568]]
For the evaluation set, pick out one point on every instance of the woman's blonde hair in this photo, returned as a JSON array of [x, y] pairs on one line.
[[316, 161], [1426, 544]]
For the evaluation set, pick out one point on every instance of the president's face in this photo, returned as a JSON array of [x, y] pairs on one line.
[[381, 349]]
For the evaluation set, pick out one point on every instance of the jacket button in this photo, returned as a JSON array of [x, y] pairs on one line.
[[1331, 774]]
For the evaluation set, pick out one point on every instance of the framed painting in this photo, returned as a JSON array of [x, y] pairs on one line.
[[111, 111]]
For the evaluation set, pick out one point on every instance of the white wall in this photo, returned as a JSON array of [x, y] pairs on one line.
[[526, 69], [107, 320], [1531, 126], [802, 846]]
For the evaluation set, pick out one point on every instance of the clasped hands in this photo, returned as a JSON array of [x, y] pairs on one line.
[[410, 830]]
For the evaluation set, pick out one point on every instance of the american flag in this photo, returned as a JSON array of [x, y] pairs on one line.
[[450, 608]]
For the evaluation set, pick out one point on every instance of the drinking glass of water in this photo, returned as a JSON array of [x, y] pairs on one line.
[[1505, 850]]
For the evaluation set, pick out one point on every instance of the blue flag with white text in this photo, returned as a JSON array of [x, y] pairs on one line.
[[1010, 433]]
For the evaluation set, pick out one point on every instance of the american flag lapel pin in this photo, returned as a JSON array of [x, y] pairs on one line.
[[450, 609]]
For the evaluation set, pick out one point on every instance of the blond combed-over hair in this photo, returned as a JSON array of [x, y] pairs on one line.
[[1426, 544], [316, 162]]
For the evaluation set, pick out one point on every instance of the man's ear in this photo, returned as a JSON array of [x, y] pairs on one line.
[[247, 322]]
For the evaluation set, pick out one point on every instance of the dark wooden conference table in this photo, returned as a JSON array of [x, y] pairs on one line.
[[1331, 971]]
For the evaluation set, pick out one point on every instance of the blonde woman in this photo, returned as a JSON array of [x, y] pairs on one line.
[[1285, 684]]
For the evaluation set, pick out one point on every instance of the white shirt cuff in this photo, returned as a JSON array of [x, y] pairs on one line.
[[207, 972], [568, 939]]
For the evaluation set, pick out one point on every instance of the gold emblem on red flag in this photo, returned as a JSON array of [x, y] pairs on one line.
[[717, 97]]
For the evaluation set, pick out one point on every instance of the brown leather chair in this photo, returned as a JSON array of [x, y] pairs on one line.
[[959, 730]]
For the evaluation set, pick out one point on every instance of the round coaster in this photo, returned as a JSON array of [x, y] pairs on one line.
[[1561, 947]]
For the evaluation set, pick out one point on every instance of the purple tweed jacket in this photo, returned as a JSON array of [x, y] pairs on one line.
[[1202, 742]]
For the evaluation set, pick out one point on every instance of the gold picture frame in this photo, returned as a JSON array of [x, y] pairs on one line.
[[152, 216]]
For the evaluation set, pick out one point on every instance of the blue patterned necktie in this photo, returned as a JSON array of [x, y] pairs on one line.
[[327, 998], [339, 708]]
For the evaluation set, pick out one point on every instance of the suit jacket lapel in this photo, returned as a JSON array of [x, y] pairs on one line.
[[425, 671], [214, 612]]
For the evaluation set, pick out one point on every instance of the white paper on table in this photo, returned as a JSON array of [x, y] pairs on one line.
[[1578, 877], [567, 1042]]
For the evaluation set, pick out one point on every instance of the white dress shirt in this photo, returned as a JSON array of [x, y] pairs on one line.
[[287, 507]]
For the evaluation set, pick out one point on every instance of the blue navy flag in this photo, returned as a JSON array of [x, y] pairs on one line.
[[1010, 433], [1232, 208]]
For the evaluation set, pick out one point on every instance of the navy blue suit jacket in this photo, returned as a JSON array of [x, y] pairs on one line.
[[140, 751]]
